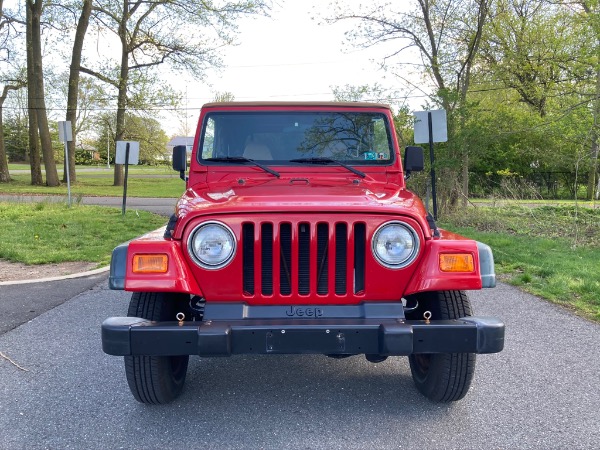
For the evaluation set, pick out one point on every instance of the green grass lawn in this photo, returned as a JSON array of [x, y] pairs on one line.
[[500, 203], [158, 170], [40, 233], [552, 252], [100, 184]]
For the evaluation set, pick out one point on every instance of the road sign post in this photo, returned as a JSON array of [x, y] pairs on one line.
[[430, 127], [432, 161], [127, 153], [126, 176], [65, 135]]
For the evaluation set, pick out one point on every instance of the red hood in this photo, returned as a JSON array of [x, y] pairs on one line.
[[295, 195]]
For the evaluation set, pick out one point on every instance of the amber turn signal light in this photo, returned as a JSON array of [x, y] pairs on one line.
[[150, 263], [456, 262]]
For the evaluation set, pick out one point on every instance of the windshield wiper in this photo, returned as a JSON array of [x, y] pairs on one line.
[[243, 159], [319, 160]]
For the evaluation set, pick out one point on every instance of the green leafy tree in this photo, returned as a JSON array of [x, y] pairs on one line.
[[73, 94], [447, 35], [39, 127], [145, 130], [148, 132], [16, 136], [12, 78], [545, 52], [589, 13], [182, 34], [223, 97], [17, 26], [10, 86], [536, 49]]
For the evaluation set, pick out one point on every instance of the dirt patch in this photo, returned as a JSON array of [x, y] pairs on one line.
[[10, 271]]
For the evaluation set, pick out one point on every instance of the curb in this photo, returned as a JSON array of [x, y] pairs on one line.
[[63, 277]]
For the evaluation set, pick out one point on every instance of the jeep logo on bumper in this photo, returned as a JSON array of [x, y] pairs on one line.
[[303, 312]]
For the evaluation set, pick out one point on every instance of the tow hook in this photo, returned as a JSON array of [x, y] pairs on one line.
[[427, 316], [180, 316]]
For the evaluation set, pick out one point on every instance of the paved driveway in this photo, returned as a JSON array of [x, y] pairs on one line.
[[541, 392]]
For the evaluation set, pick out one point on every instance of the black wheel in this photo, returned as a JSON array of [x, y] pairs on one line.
[[442, 377], [156, 379]]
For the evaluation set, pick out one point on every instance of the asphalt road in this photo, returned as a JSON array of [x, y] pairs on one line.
[[541, 392], [21, 303]]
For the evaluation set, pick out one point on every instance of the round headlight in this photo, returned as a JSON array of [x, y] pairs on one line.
[[395, 245], [212, 245]]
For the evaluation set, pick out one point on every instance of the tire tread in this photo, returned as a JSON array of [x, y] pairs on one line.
[[148, 376], [450, 373]]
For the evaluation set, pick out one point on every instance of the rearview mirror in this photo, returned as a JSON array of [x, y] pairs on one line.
[[180, 160], [414, 161]]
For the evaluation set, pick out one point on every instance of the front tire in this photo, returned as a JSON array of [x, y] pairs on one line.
[[442, 377], [156, 379]]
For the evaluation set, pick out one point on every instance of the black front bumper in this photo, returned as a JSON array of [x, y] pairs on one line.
[[134, 336]]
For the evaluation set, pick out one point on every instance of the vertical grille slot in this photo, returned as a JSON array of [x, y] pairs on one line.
[[304, 258], [341, 247], [360, 239], [266, 247], [322, 258], [248, 257], [285, 260]]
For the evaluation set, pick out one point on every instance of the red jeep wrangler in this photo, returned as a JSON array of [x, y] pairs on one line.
[[296, 234]]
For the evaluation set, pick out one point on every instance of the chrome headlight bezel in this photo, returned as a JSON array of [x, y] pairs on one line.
[[416, 244], [208, 265]]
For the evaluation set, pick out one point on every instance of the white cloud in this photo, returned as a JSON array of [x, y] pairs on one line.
[[292, 56]]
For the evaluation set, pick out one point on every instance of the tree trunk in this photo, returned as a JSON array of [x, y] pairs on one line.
[[482, 16], [120, 127], [465, 177], [42, 118], [591, 185], [73, 93], [122, 97], [34, 146], [4, 174]]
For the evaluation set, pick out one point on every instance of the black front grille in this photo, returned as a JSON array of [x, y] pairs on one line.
[[301, 252]]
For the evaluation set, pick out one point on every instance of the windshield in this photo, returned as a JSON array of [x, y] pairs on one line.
[[355, 138]]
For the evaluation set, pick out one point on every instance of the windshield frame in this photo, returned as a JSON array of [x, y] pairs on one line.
[[375, 162]]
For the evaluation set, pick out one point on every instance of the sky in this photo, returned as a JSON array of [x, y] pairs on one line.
[[290, 55]]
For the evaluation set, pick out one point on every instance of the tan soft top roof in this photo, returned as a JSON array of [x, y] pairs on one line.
[[329, 104]]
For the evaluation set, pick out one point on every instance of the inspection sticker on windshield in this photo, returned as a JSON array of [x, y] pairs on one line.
[[371, 156]]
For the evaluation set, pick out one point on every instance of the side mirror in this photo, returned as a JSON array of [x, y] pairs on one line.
[[180, 160], [414, 161]]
